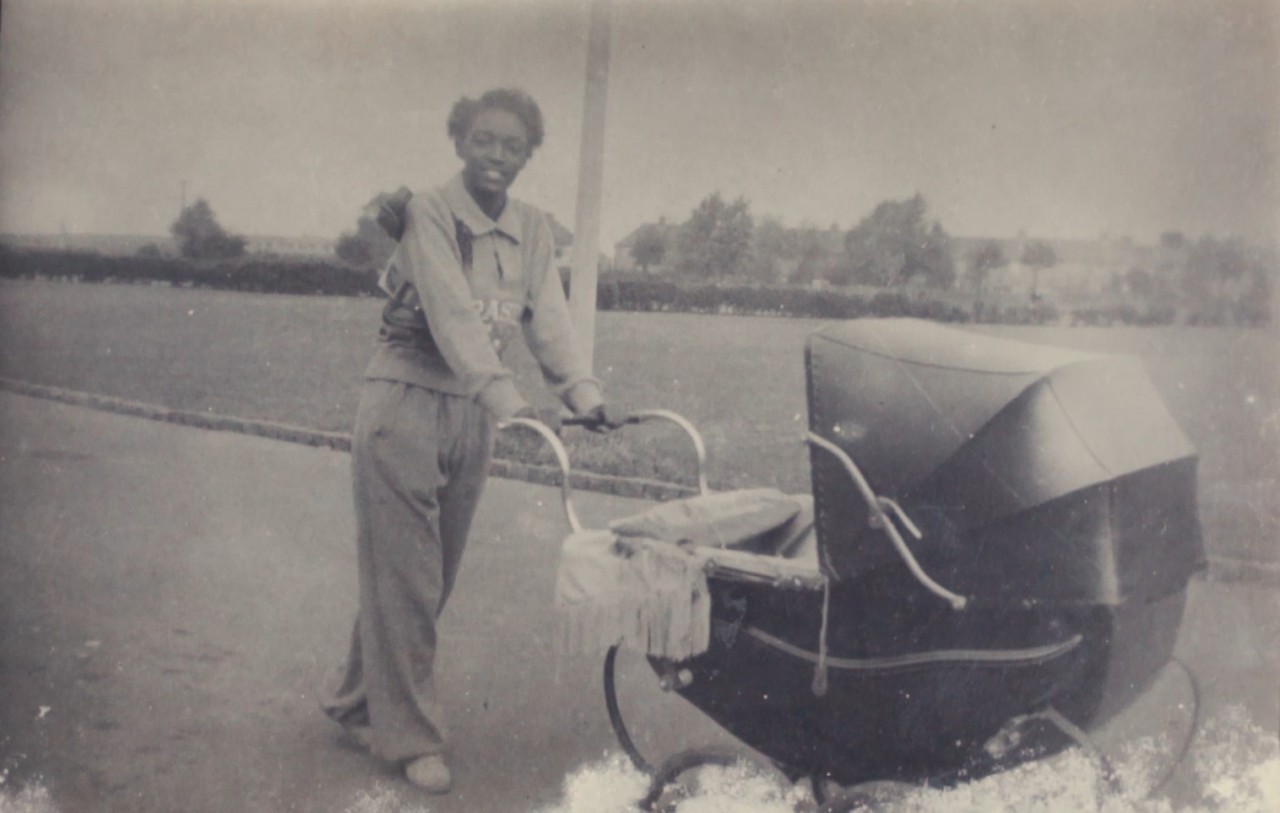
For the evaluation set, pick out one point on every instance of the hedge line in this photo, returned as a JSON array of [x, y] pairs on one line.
[[636, 294], [1125, 315], [296, 276], [267, 275]]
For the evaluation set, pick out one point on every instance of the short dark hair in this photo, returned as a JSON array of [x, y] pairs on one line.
[[512, 100]]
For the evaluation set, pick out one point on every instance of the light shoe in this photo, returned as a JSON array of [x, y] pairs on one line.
[[430, 773]]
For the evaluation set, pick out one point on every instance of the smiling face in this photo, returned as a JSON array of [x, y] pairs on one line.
[[494, 150]]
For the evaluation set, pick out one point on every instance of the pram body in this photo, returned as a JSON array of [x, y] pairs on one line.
[[1016, 536], [1051, 489]]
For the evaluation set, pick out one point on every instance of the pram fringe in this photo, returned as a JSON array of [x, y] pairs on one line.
[[656, 601]]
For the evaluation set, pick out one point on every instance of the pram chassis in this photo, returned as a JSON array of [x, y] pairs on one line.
[[728, 566]]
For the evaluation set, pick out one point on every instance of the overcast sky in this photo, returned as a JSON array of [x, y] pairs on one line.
[[1065, 118]]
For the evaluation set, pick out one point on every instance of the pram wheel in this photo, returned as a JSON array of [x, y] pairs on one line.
[[869, 796], [664, 787]]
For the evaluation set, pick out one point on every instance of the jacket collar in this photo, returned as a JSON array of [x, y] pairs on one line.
[[469, 212]]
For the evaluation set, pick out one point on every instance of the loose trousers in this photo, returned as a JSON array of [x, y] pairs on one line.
[[419, 462]]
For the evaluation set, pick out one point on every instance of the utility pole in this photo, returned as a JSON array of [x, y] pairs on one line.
[[586, 236], [183, 202]]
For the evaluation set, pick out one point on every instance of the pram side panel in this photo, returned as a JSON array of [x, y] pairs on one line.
[[910, 722]]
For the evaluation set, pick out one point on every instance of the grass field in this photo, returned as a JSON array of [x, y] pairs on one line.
[[739, 379]]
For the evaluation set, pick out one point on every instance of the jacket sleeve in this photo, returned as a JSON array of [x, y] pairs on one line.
[[428, 253], [549, 333]]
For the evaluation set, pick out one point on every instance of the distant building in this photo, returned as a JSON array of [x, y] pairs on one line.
[[1083, 270], [563, 259], [564, 244]]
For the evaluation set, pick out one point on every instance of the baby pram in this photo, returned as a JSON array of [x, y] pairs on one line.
[[995, 557]]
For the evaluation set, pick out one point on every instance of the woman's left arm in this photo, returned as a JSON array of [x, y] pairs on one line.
[[549, 332]]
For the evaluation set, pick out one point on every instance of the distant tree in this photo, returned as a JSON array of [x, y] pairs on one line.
[[895, 244], [369, 246], [1213, 264], [716, 239], [813, 260], [985, 257], [1139, 282], [1039, 256], [200, 237], [650, 247], [1227, 280], [772, 245], [1254, 305], [1116, 284], [151, 251], [354, 250], [935, 261], [1171, 257], [1144, 287]]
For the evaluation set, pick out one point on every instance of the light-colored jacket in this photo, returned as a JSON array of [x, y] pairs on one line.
[[461, 283]]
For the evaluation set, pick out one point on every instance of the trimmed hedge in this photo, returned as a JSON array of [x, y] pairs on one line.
[[637, 294], [642, 293], [265, 275], [1125, 315], [286, 275], [281, 275]]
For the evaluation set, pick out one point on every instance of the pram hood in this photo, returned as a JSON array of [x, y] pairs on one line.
[[1036, 473]]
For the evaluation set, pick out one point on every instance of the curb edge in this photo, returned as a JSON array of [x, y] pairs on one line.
[[508, 469]]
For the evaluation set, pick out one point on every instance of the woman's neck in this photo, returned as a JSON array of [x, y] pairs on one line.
[[490, 204]]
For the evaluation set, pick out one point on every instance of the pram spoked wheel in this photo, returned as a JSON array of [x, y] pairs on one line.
[[664, 783], [868, 796], [665, 780], [669, 772]]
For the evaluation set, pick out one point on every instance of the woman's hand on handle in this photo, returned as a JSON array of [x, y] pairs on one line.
[[549, 416], [602, 418]]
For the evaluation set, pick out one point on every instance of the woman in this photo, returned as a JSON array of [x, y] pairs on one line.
[[471, 267]]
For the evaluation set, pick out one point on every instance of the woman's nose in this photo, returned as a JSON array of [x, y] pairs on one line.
[[502, 153]]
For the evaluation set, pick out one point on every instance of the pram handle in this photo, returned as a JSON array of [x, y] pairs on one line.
[[699, 448], [637, 417], [562, 457], [878, 518]]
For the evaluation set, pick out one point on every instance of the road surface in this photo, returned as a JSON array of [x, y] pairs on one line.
[[174, 602]]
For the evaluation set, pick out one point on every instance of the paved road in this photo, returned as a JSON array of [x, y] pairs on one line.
[[178, 600], [174, 600]]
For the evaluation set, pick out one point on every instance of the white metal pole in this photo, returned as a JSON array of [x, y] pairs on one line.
[[586, 234]]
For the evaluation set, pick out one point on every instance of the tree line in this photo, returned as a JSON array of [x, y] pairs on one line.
[[1216, 280], [898, 245]]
